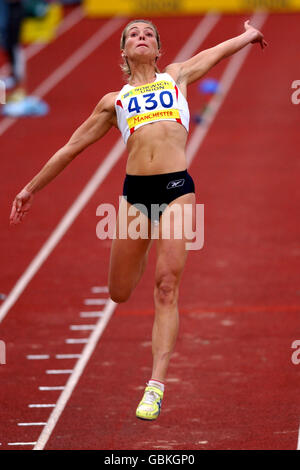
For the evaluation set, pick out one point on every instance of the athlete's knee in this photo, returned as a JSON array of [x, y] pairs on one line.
[[119, 295], [166, 288]]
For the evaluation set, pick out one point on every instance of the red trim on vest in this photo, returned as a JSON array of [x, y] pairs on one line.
[[176, 89], [132, 130], [119, 103], [179, 120]]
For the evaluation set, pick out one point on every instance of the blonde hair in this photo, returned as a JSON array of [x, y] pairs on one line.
[[125, 65]]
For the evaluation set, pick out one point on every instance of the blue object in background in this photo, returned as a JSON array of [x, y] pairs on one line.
[[209, 86], [29, 106]]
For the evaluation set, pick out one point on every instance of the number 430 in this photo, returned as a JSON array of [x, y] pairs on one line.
[[165, 98]]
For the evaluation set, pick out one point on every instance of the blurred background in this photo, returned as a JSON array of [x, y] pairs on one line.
[[240, 294]]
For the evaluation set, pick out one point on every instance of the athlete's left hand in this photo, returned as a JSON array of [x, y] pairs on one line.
[[258, 35]]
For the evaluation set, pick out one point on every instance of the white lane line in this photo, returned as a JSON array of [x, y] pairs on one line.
[[298, 444], [38, 405], [6, 123], [67, 23], [82, 327], [74, 378], [226, 82], [79, 56], [47, 389], [67, 356], [59, 371], [76, 341], [199, 35], [95, 301], [87, 352], [91, 314], [21, 443], [33, 357], [99, 289], [65, 223], [70, 64], [32, 424]]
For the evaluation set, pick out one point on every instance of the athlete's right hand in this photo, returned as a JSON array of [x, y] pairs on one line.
[[21, 206]]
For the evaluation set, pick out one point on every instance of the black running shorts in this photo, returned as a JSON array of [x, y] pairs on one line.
[[151, 194]]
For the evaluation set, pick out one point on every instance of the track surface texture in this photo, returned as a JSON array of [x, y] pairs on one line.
[[232, 383]]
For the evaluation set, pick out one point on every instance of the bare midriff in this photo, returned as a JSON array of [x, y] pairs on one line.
[[157, 147]]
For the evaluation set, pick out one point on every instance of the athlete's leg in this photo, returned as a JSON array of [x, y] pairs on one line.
[[171, 257], [128, 255]]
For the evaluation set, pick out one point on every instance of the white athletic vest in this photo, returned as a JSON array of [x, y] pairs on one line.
[[157, 101]]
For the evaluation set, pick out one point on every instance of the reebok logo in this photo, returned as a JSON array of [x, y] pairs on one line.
[[175, 184]]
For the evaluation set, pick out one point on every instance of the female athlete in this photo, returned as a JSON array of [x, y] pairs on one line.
[[152, 114]]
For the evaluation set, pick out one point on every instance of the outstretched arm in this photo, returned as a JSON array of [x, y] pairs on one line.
[[194, 68], [95, 127]]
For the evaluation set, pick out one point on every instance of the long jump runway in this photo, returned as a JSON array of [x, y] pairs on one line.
[[76, 363]]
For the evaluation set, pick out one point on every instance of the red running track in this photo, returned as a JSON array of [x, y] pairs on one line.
[[232, 383]]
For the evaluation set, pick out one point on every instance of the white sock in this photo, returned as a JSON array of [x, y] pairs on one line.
[[156, 383]]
